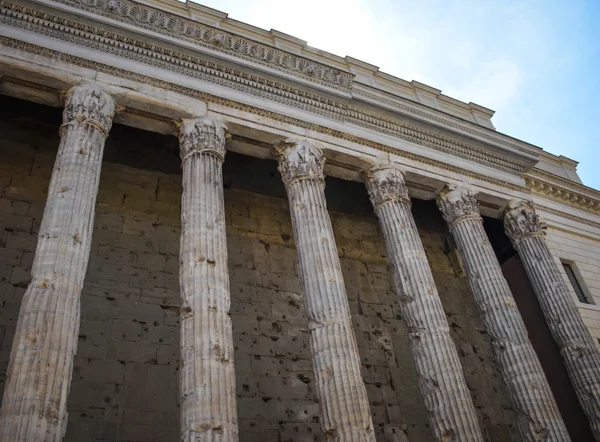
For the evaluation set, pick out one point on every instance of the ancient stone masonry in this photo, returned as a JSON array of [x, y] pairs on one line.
[[207, 374], [34, 406], [447, 398], [537, 412], [573, 338], [336, 362]]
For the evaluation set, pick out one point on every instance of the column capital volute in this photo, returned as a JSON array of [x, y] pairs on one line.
[[458, 204], [385, 183], [522, 221], [300, 159], [205, 135], [88, 103]]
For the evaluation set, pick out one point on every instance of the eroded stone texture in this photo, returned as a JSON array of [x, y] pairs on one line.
[[573, 338], [34, 405], [447, 398], [336, 362], [207, 373], [537, 413]]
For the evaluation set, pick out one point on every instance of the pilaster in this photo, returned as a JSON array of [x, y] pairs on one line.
[[336, 363], [537, 413]]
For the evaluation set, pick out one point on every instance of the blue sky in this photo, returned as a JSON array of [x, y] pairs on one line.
[[536, 63]]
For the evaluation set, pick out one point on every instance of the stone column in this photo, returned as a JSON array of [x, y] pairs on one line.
[[34, 406], [451, 411], [537, 413], [573, 338], [207, 373], [345, 414]]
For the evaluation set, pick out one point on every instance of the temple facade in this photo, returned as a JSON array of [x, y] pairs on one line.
[[213, 232]]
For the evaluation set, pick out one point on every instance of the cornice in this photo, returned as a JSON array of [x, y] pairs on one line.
[[572, 185], [144, 79], [563, 195], [145, 16], [399, 104], [126, 47]]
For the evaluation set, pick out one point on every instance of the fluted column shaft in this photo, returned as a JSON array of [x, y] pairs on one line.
[[34, 406], [345, 414], [580, 355], [207, 372], [538, 417], [447, 399]]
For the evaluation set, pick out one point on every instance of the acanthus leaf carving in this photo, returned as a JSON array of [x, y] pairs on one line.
[[385, 183], [522, 221], [300, 159], [202, 135], [89, 104], [458, 203]]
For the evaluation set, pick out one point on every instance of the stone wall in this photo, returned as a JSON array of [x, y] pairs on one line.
[[124, 384], [583, 254]]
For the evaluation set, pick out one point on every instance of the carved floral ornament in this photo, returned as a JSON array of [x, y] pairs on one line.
[[207, 36], [186, 64], [300, 159], [385, 183], [89, 104], [202, 135], [521, 221], [458, 203]]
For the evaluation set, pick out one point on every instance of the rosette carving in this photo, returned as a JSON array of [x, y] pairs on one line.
[[458, 204], [89, 104], [522, 221], [385, 184], [300, 159], [202, 135]]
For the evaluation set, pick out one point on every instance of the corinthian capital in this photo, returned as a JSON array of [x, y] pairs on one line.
[[202, 135], [385, 183], [88, 103], [300, 159], [521, 221], [458, 204]]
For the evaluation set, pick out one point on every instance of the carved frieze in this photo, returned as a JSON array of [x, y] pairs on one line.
[[145, 79], [145, 16], [126, 47]]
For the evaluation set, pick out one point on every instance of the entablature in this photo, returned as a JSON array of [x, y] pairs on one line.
[[46, 52], [158, 36]]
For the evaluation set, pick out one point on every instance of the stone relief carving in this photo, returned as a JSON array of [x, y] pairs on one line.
[[457, 204], [202, 135], [386, 183], [134, 76], [147, 17], [198, 68], [88, 103], [300, 159], [521, 221]]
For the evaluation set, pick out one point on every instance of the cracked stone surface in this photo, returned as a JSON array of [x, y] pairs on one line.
[[580, 355], [537, 413], [34, 405], [345, 414], [207, 373], [451, 411]]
